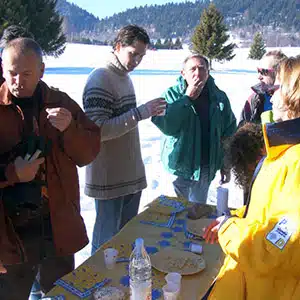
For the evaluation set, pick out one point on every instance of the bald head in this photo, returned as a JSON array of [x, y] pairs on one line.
[[22, 63]]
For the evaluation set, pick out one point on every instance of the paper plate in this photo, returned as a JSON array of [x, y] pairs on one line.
[[196, 226], [182, 262]]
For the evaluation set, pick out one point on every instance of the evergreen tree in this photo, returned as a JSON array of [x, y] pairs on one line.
[[166, 44], [210, 36], [158, 44], [258, 48], [40, 18], [178, 44]]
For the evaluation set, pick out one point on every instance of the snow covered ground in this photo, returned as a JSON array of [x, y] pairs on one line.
[[158, 71]]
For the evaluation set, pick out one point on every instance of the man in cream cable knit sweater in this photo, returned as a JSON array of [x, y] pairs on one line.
[[116, 178]]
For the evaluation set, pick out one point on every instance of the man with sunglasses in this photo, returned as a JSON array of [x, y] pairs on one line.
[[259, 100]]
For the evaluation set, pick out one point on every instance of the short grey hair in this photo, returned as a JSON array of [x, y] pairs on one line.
[[198, 56], [25, 46]]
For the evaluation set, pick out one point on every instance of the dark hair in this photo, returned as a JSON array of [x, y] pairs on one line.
[[243, 151], [24, 46], [131, 34], [12, 32], [199, 56]]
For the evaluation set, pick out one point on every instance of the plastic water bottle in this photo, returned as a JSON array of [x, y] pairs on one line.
[[140, 273]]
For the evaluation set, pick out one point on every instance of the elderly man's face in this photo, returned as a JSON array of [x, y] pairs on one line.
[[22, 72], [195, 68]]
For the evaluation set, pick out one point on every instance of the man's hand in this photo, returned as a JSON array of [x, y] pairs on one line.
[[225, 176], [27, 170], [194, 90], [211, 231], [156, 106], [2, 269], [59, 117]]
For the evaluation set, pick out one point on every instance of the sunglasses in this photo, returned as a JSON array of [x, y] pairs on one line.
[[265, 72]]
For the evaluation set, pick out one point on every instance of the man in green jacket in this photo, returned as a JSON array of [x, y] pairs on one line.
[[197, 120]]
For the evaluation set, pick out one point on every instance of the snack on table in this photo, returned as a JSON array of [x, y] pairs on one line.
[[182, 262], [199, 210], [109, 293], [196, 226]]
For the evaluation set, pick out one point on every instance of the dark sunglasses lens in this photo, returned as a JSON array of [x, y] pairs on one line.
[[263, 72]]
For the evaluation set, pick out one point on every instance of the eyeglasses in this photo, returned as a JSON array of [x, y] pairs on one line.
[[265, 72]]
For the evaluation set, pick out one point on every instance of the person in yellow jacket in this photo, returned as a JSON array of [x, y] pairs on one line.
[[262, 245]]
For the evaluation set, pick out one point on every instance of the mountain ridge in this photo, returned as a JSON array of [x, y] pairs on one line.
[[173, 20]]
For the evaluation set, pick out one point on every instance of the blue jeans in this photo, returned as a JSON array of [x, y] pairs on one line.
[[112, 215], [194, 191]]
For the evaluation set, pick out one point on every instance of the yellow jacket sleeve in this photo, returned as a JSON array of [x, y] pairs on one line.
[[263, 246]]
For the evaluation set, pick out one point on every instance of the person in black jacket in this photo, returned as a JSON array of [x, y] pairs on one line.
[[259, 100]]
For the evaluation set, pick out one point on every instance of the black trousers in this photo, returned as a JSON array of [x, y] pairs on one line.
[[42, 263], [17, 282]]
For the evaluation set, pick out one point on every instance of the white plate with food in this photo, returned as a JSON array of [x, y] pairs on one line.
[[173, 260]]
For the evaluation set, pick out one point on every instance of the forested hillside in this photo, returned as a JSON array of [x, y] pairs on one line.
[[179, 19]]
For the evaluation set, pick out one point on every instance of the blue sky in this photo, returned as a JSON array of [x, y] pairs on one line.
[[106, 8]]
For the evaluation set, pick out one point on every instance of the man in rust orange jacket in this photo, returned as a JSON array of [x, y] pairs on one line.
[[1, 75], [42, 132]]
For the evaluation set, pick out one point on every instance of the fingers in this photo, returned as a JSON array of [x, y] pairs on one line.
[[2, 269], [56, 122], [209, 227], [211, 232], [211, 237], [157, 106], [34, 156], [59, 117], [35, 165], [160, 102], [198, 83], [57, 111], [160, 99], [37, 161]]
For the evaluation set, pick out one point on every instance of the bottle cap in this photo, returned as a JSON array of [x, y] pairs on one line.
[[139, 243]]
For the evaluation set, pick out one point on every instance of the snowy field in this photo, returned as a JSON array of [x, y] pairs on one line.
[[158, 71]]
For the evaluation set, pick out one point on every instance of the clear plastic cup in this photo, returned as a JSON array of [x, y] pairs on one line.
[[110, 257], [163, 108], [163, 111], [173, 278], [222, 200], [171, 291]]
